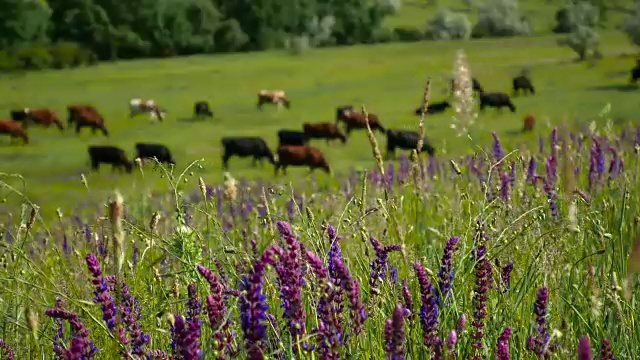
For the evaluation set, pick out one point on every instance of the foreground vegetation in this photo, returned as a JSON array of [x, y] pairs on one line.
[[507, 251]]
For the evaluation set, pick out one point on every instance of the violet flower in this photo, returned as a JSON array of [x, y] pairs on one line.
[[102, 295], [80, 347], [380, 265], [512, 175], [554, 143], [483, 280], [539, 343], [549, 186], [217, 313], [131, 315], [505, 182], [506, 276], [461, 324], [394, 334], [445, 275], [186, 338], [531, 171], [498, 152], [352, 288], [584, 349], [407, 298], [502, 347], [606, 353], [452, 340], [6, 350], [429, 310]]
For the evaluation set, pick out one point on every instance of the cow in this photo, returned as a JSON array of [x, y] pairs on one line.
[[323, 130], [201, 108], [255, 147], [14, 129], [277, 97], [355, 120], [434, 108], [496, 100], [292, 137], [86, 116], [139, 106], [44, 117], [106, 154], [341, 110], [475, 85], [407, 140], [291, 155], [157, 151], [635, 74], [522, 83], [529, 123]]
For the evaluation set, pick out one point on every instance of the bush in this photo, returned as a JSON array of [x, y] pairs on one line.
[[65, 55], [390, 7], [408, 34], [563, 22], [583, 37], [229, 36], [449, 25], [297, 44], [9, 62], [500, 18], [35, 57], [384, 35], [632, 26]]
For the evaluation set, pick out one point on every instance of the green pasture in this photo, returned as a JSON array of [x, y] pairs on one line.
[[389, 79]]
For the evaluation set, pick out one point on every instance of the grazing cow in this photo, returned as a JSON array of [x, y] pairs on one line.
[[496, 100], [292, 137], [14, 129], [139, 106], [341, 110], [109, 155], [475, 85], [529, 123], [86, 116], [355, 120], [157, 151], [43, 117], [407, 140], [635, 74], [310, 156], [277, 97], [434, 108], [255, 147], [323, 130], [201, 108], [522, 83]]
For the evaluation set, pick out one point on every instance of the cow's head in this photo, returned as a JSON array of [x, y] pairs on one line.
[[27, 111]]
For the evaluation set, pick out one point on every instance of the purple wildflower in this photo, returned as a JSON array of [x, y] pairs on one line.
[[498, 152], [549, 186], [505, 182], [606, 353], [452, 340], [539, 343], [407, 298], [506, 276], [512, 175], [80, 346], [445, 275], [193, 304], [6, 350], [584, 349], [531, 171], [130, 310], [186, 338], [554, 143], [461, 324], [429, 309], [217, 312], [394, 334], [102, 295], [380, 265], [502, 347], [483, 279], [253, 307], [352, 288]]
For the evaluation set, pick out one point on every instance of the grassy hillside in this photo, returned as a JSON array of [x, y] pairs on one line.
[[388, 79]]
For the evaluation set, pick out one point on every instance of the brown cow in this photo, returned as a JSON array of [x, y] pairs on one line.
[[86, 116], [14, 129], [44, 117], [356, 120], [323, 130], [277, 97], [295, 155], [529, 122]]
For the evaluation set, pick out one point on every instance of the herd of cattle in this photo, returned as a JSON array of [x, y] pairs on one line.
[[293, 147]]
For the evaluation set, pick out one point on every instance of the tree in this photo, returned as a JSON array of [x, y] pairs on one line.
[[583, 37], [23, 22], [449, 25], [632, 26], [500, 18]]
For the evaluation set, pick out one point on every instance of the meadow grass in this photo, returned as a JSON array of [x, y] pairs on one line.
[[388, 79]]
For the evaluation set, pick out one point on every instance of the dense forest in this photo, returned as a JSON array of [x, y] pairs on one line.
[[61, 33]]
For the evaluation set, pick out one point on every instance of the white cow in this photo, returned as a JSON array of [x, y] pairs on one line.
[[139, 106]]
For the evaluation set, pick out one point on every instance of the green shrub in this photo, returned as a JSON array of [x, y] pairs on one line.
[[449, 25], [65, 55], [35, 57], [9, 62], [229, 36], [408, 34], [384, 35]]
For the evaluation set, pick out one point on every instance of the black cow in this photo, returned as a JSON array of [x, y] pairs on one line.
[[292, 137], [434, 108], [201, 108], [341, 110], [635, 74], [496, 100], [19, 115], [158, 151], [522, 83], [255, 147], [408, 140], [109, 155], [475, 85]]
